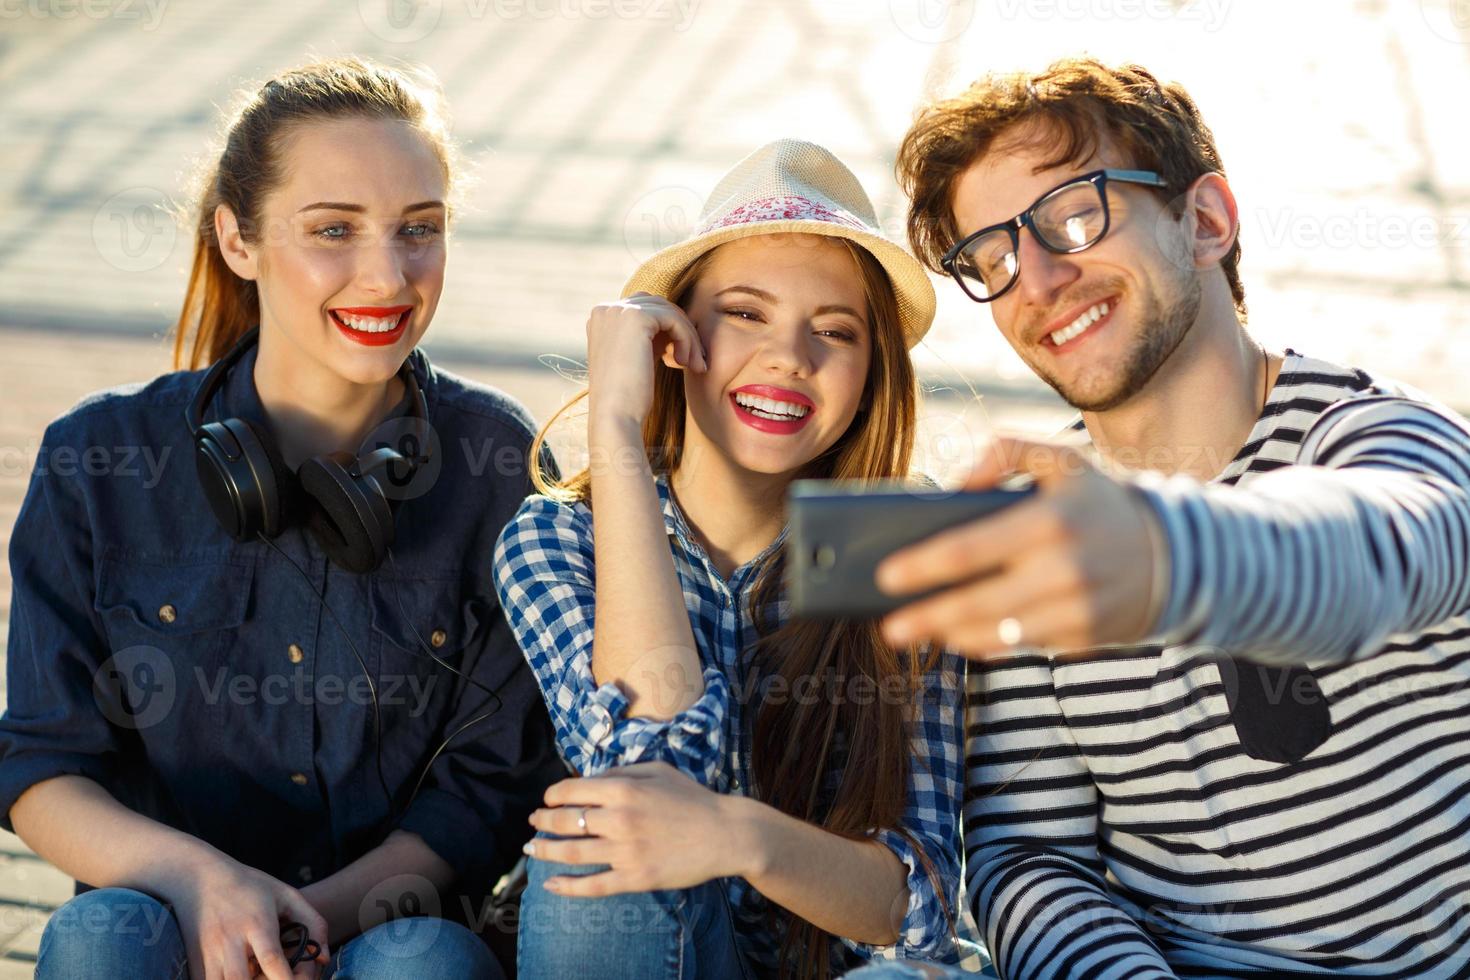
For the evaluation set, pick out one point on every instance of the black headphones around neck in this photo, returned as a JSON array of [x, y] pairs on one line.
[[252, 491]]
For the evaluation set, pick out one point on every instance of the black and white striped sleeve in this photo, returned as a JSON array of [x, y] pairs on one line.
[[1034, 874], [1367, 537]]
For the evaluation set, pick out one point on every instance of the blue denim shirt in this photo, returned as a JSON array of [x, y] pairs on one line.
[[199, 680]]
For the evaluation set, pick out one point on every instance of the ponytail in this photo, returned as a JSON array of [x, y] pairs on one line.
[[219, 304]]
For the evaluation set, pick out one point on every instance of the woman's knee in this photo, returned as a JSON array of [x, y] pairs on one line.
[[558, 933], [914, 970], [412, 948], [634, 911], [112, 932]]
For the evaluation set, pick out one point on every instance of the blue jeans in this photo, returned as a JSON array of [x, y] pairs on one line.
[[118, 932], [678, 935], [901, 970]]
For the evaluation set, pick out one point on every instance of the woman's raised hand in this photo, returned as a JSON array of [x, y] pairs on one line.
[[624, 338], [231, 916]]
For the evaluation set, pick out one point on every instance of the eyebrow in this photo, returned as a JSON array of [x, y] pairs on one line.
[[359, 209], [769, 298], [838, 308], [757, 293]]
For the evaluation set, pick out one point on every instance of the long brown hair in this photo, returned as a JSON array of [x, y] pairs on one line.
[[219, 306], [797, 746]]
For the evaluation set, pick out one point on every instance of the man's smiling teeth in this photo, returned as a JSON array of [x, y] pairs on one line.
[[766, 408], [1080, 324], [369, 324]]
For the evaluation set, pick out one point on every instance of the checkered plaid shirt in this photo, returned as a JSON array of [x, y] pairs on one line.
[[545, 576]]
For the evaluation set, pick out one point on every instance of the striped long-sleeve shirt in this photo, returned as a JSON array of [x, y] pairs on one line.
[[1281, 785]]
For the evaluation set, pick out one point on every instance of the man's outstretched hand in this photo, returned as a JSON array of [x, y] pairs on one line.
[[1068, 568]]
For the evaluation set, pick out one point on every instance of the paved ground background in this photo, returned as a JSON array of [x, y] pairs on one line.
[[594, 128]]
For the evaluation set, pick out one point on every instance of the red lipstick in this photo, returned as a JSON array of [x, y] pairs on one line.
[[371, 338], [776, 426]]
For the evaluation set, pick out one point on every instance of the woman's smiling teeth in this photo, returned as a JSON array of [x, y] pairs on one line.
[[1073, 329], [767, 408], [369, 324]]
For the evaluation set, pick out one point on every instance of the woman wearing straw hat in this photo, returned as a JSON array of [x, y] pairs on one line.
[[756, 797]]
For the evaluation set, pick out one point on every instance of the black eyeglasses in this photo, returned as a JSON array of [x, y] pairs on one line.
[[1068, 218]]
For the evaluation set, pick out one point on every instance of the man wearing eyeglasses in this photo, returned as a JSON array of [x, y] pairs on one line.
[[1265, 769]]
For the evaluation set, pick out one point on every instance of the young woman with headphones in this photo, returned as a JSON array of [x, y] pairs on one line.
[[270, 701]]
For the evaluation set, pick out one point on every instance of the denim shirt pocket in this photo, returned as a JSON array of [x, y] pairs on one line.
[[168, 628], [173, 601], [414, 618]]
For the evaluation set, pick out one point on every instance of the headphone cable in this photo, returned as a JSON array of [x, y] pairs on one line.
[[494, 694], [393, 811], [372, 688]]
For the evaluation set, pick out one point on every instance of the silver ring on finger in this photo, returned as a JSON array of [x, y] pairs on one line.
[[582, 820], [1010, 631]]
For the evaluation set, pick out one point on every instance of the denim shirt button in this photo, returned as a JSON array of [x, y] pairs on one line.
[[167, 613], [437, 638], [295, 653], [299, 778]]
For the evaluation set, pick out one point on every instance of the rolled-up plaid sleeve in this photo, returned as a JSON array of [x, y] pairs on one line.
[[544, 574], [929, 838]]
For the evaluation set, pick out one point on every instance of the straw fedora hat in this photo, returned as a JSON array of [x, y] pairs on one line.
[[794, 186]]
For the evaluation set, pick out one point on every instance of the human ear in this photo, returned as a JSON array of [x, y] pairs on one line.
[[238, 254], [1216, 218]]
